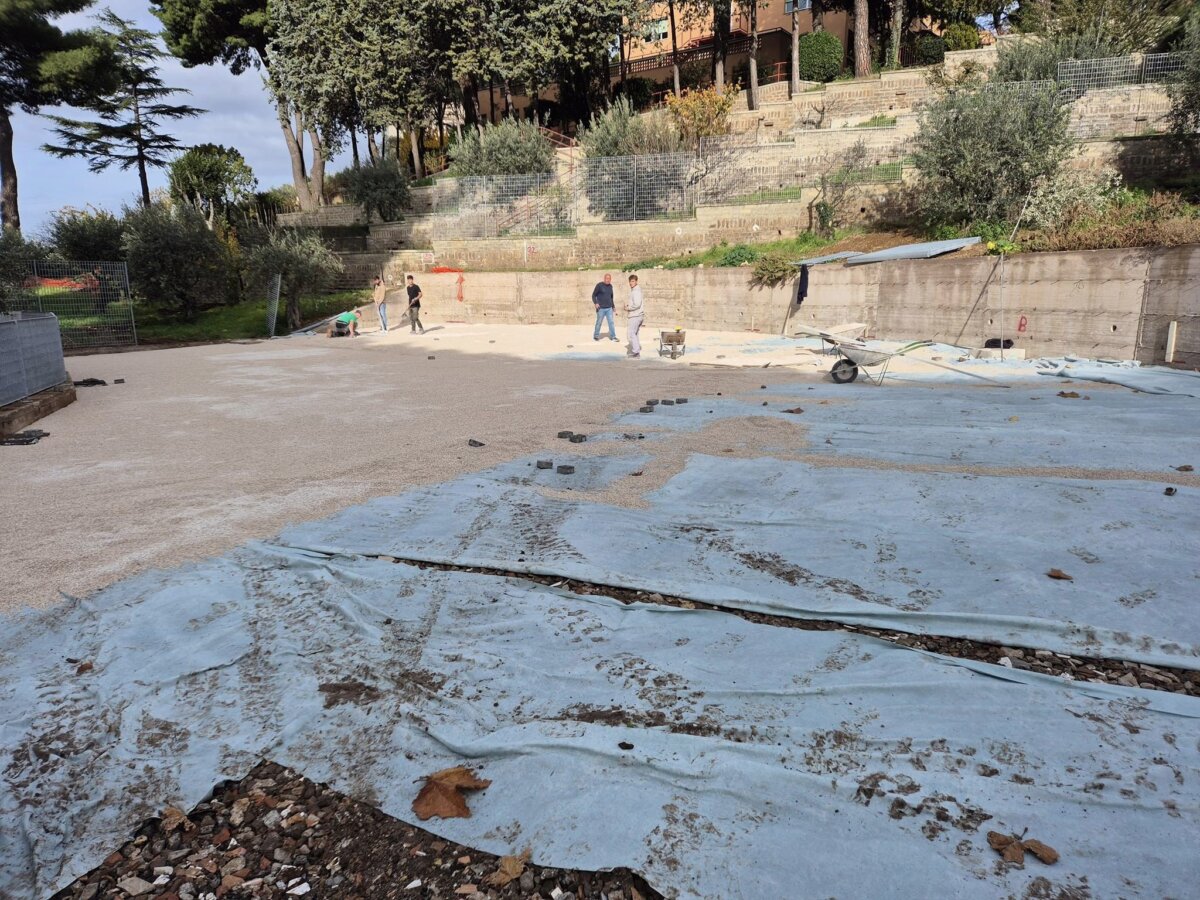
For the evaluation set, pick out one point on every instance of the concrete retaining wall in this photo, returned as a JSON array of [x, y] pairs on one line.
[[1103, 303]]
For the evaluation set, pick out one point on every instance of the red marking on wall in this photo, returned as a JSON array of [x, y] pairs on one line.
[[459, 281], [1022, 324]]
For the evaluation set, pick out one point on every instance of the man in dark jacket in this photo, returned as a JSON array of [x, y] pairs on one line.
[[602, 299]]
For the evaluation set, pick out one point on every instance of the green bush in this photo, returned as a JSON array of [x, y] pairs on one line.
[[739, 255], [380, 187], [88, 234], [1037, 59], [928, 50], [773, 269], [16, 252], [619, 131], [980, 154], [639, 91], [820, 56], [305, 265], [176, 264], [1185, 88], [509, 148], [961, 36]]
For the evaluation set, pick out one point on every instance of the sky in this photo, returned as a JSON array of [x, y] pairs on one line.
[[239, 115]]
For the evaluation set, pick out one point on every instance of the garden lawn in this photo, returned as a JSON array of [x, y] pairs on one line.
[[240, 321]]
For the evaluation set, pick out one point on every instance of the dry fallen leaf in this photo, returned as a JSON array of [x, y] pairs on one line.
[[173, 818], [795, 411], [1008, 846], [1183, 469], [1060, 575], [83, 667], [510, 869], [1070, 395], [442, 796], [1044, 852]]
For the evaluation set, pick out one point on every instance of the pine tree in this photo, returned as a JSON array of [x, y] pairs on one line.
[[128, 132]]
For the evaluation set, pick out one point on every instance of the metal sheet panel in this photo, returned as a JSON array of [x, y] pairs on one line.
[[926, 250], [832, 257]]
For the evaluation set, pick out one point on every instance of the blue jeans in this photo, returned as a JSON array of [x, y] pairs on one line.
[[602, 316], [382, 307]]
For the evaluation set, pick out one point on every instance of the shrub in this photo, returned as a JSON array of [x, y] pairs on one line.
[[509, 148], [928, 50], [961, 36], [638, 91], [739, 255], [695, 73], [176, 264], [820, 56], [1069, 196], [1185, 88], [379, 187], [979, 154], [302, 261], [773, 269], [1133, 219], [699, 114], [90, 234], [619, 131], [1037, 59], [16, 252]]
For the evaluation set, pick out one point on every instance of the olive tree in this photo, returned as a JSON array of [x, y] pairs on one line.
[[303, 263]]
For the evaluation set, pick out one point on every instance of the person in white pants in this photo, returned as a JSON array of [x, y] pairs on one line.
[[635, 311]]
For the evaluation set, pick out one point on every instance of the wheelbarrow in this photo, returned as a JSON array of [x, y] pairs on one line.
[[854, 356], [672, 343]]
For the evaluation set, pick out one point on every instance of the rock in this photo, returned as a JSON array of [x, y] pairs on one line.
[[646, 409], [90, 891], [526, 882], [134, 886], [1128, 679], [545, 464], [283, 857], [432, 357], [474, 443], [565, 434], [237, 815], [578, 438], [299, 890], [652, 403], [566, 470], [668, 403], [681, 399]]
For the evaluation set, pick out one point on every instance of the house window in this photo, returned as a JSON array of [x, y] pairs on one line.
[[790, 6], [658, 31]]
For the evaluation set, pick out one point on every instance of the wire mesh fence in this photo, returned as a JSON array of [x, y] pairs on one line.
[[90, 298], [1078, 76], [663, 187], [273, 303], [31, 355]]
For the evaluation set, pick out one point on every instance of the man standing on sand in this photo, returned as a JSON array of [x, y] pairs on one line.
[[414, 305], [635, 310], [379, 295], [602, 299]]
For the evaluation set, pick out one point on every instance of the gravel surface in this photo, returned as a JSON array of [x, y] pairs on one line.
[[277, 834], [204, 448]]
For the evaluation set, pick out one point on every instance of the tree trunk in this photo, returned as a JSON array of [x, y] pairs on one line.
[[372, 148], [752, 97], [471, 101], [418, 169], [492, 99], [317, 172], [293, 310], [997, 18], [818, 18], [721, 13], [353, 148], [296, 152], [139, 147], [621, 45], [10, 214], [897, 33], [862, 39], [508, 100], [674, 48], [795, 85]]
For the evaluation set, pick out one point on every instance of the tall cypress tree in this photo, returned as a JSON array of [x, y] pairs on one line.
[[129, 131]]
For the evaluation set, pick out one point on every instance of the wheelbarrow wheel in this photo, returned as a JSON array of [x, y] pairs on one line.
[[844, 371]]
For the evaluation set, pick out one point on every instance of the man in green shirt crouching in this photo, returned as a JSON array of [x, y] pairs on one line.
[[345, 324]]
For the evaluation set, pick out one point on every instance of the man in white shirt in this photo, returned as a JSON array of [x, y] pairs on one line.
[[635, 310]]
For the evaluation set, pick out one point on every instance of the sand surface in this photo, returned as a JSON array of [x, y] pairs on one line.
[[203, 448]]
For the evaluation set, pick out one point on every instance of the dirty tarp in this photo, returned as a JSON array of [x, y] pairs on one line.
[[943, 553], [1147, 379], [719, 757]]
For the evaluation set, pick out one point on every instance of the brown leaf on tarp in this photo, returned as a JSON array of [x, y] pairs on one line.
[[1184, 469], [1070, 395], [1060, 575], [509, 869], [1044, 852], [1008, 846], [637, 474], [794, 411], [441, 795], [83, 667], [173, 817]]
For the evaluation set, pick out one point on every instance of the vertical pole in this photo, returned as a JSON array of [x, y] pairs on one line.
[[635, 191], [1172, 335]]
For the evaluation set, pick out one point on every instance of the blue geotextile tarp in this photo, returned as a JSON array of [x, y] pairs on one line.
[[720, 758], [1146, 379], [941, 553]]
